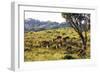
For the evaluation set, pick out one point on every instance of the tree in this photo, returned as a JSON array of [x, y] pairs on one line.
[[80, 22]]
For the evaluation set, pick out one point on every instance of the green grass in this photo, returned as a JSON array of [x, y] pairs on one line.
[[34, 52], [38, 54]]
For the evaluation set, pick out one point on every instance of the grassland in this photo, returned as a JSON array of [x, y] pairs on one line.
[[44, 45]]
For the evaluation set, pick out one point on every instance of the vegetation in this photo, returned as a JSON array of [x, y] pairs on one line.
[[80, 22], [54, 44]]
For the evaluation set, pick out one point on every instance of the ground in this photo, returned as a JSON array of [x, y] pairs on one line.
[[43, 45]]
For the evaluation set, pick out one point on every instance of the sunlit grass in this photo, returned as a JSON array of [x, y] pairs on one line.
[[51, 53]]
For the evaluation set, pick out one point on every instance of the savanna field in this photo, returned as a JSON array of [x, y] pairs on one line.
[[53, 44]]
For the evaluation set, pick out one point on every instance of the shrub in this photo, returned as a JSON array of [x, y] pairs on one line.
[[69, 57]]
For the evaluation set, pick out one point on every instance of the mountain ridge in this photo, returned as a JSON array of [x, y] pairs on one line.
[[31, 24]]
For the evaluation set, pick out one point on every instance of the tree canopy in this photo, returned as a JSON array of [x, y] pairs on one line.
[[79, 21]]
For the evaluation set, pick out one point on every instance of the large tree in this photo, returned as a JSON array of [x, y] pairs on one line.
[[80, 22]]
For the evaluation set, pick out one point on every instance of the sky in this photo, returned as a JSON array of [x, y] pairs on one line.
[[45, 16]]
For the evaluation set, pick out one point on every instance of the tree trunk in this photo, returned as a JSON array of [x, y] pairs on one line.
[[83, 44], [83, 50]]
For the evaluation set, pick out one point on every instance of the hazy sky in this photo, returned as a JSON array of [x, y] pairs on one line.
[[45, 16]]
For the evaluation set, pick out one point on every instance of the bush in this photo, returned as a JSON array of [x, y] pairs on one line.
[[69, 57]]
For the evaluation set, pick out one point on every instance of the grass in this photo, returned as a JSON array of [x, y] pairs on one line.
[[35, 52], [40, 54]]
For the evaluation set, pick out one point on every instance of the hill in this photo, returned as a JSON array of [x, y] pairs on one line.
[[37, 25]]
